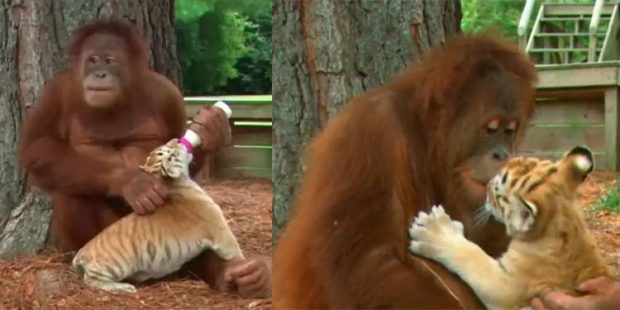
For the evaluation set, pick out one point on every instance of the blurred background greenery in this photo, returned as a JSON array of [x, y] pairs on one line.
[[501, 16], [224, 46]]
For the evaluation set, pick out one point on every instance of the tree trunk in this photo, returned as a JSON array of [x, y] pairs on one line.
[[325, 53], [33, 37]]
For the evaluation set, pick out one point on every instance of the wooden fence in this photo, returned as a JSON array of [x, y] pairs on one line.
[[251, 149], [577, 104], [561, 123]]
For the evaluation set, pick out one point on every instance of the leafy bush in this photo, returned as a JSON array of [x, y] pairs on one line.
[[610, 201], [501, 16], [224, 46]]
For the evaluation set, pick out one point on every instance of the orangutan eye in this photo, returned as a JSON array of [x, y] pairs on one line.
[[512, 127], [109, 60], [492, 126], [93, 59]]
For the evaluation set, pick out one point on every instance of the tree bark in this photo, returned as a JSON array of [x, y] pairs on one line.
[[325, 53], [33, 37]]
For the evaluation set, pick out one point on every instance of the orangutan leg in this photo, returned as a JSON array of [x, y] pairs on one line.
[[77, 219]]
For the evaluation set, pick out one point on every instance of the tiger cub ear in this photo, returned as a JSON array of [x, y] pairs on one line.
[[523, 216], [581, 161]]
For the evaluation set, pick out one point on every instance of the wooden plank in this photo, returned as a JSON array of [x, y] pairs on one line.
[[590, 93], [258, 99], [563, 138], [239, 111], [612, 128], [579, 77], [242, 172], [599, 157], [604, 64], [253, 123], [568, 34], [243, 162], [244, 157], [570, 112], [610, 49], [556, 49], [563, 9], [252, 138]]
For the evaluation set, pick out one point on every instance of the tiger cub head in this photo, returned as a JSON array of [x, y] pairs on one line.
[[528, 192], [170, 160]]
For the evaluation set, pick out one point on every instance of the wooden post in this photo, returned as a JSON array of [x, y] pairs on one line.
[[612, 128]]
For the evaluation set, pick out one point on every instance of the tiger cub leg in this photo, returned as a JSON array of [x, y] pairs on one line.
[[220, 237], [105, 280], [227, 246], [437, 237]]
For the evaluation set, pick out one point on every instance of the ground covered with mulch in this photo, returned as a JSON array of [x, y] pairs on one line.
[[604, 225], [47, 282]]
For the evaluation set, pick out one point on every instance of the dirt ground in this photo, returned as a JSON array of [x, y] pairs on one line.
[[46, 282], [604, 225]]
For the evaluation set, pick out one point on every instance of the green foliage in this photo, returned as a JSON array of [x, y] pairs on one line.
[[610, 201], [254, 69], [223, 46], [501, 16], [190, 10]]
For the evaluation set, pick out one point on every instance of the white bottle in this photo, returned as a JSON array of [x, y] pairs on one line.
[[192, 139]]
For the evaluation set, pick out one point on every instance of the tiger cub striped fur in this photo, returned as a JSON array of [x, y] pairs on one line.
[[137, 248], [551, 247]]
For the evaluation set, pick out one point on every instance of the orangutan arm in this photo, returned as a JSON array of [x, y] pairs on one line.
[[50, 160], [173, 110]]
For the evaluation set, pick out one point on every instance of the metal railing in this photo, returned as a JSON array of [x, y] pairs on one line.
[[596, 17], [549, 10], [523, 22]]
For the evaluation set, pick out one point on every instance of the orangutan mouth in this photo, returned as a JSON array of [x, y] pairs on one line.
[[481, 183], [477, 187], [99, 89]]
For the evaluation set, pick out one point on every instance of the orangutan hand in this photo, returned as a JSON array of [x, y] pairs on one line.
[[251, 277], [599, 293], [144, 192], [211, 124]]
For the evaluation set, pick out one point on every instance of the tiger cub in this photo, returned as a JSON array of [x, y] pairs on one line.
[[138, 248], [550, 247]]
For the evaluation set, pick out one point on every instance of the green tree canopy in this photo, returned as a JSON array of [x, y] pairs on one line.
[[224, 46]]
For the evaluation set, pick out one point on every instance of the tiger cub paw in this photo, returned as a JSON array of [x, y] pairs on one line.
[[433, 234], [102, 282], [123, 287]]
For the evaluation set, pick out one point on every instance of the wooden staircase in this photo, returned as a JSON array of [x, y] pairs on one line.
[[576, 49], [566, 33]]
